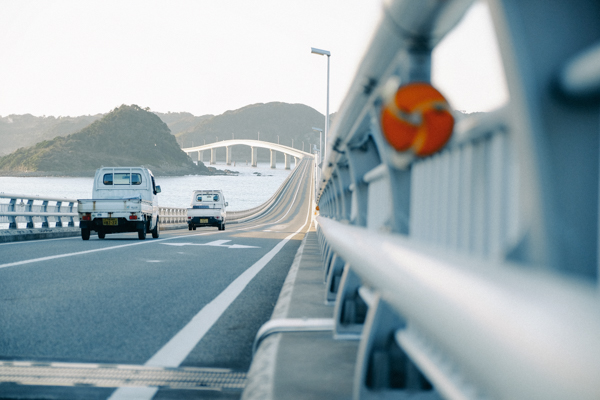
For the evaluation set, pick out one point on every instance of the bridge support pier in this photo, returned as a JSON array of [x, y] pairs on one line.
[[287, 161], [200, 155], [273, 159], [228, 155], [295, 162], [254, 161], [213, 156]]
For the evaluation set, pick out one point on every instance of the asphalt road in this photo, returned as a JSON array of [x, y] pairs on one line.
[[186, 299]]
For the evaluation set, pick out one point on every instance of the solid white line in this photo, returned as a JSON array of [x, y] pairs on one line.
[[177, 349]]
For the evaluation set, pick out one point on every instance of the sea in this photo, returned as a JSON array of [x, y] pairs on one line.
[[250, 188]]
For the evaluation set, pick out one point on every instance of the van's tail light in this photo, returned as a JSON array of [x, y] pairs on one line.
[[133, 216], [86, 217]]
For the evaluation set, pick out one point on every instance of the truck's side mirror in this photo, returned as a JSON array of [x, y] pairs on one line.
[[157, 189]]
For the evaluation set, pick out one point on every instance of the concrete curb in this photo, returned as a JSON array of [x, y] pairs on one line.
[[19, 235]]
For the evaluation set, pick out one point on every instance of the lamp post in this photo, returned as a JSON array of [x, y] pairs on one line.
[[320, 142], [328, 54]]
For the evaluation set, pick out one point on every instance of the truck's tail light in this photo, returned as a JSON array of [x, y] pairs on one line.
[[217, 217], [189, 217], [86, 217], [133, 216]]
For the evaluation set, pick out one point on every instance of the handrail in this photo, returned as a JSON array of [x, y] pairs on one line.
[[527, 324]]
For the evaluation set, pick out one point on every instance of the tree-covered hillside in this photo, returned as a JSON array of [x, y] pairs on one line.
[[127, 136], [26, 130]]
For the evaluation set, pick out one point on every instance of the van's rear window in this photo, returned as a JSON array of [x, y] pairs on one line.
[[122, 178]]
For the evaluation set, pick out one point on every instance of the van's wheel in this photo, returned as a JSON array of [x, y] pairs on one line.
[[190, 227], [194, 228], [223, 226], [85, 234], [101, 235], [155, 232], [142, 233]]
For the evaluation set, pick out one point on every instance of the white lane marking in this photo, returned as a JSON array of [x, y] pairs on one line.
[[177, 349], [216, 243], [34, 260]]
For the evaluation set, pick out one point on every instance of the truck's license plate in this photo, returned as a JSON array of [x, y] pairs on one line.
[[204, 220], [110, 221]]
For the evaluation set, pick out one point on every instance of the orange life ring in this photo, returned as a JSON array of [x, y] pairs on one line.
[[417, 118]]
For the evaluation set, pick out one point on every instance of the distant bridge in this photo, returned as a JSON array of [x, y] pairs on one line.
[[254, 145]]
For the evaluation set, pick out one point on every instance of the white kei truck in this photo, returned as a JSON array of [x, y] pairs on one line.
[[123, 200], [208, 208]]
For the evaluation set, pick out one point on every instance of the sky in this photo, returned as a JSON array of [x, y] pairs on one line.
[[83, 57]]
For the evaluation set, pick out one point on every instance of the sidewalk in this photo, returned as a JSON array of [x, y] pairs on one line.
[[303, 365]]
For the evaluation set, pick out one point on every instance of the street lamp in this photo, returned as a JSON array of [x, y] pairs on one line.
[[328, 54], [277, 139], [320, 142]]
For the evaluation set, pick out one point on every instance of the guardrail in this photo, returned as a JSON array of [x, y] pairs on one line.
[[34, 209], [60, 212], [475, 269], [172, 215]]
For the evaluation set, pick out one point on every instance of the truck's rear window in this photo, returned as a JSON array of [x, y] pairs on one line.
[[122, 178], [205, 197]]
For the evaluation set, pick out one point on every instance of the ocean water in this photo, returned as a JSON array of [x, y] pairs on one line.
[[251, 188]]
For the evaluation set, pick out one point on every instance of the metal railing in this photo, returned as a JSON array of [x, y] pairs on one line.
[[29, 210], [172, 215], [478, 264], [46, 212]]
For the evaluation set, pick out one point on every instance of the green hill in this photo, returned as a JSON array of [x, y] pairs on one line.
[[26, 130], [126, 136]]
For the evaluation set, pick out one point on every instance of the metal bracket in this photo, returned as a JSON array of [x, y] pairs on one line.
[[350, 309], [280, 325], [383, 369]]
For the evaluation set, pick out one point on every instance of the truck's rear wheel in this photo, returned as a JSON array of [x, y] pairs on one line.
[[190, 227], [101, 234], [85, 234], [142, 233], [155, 232]]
